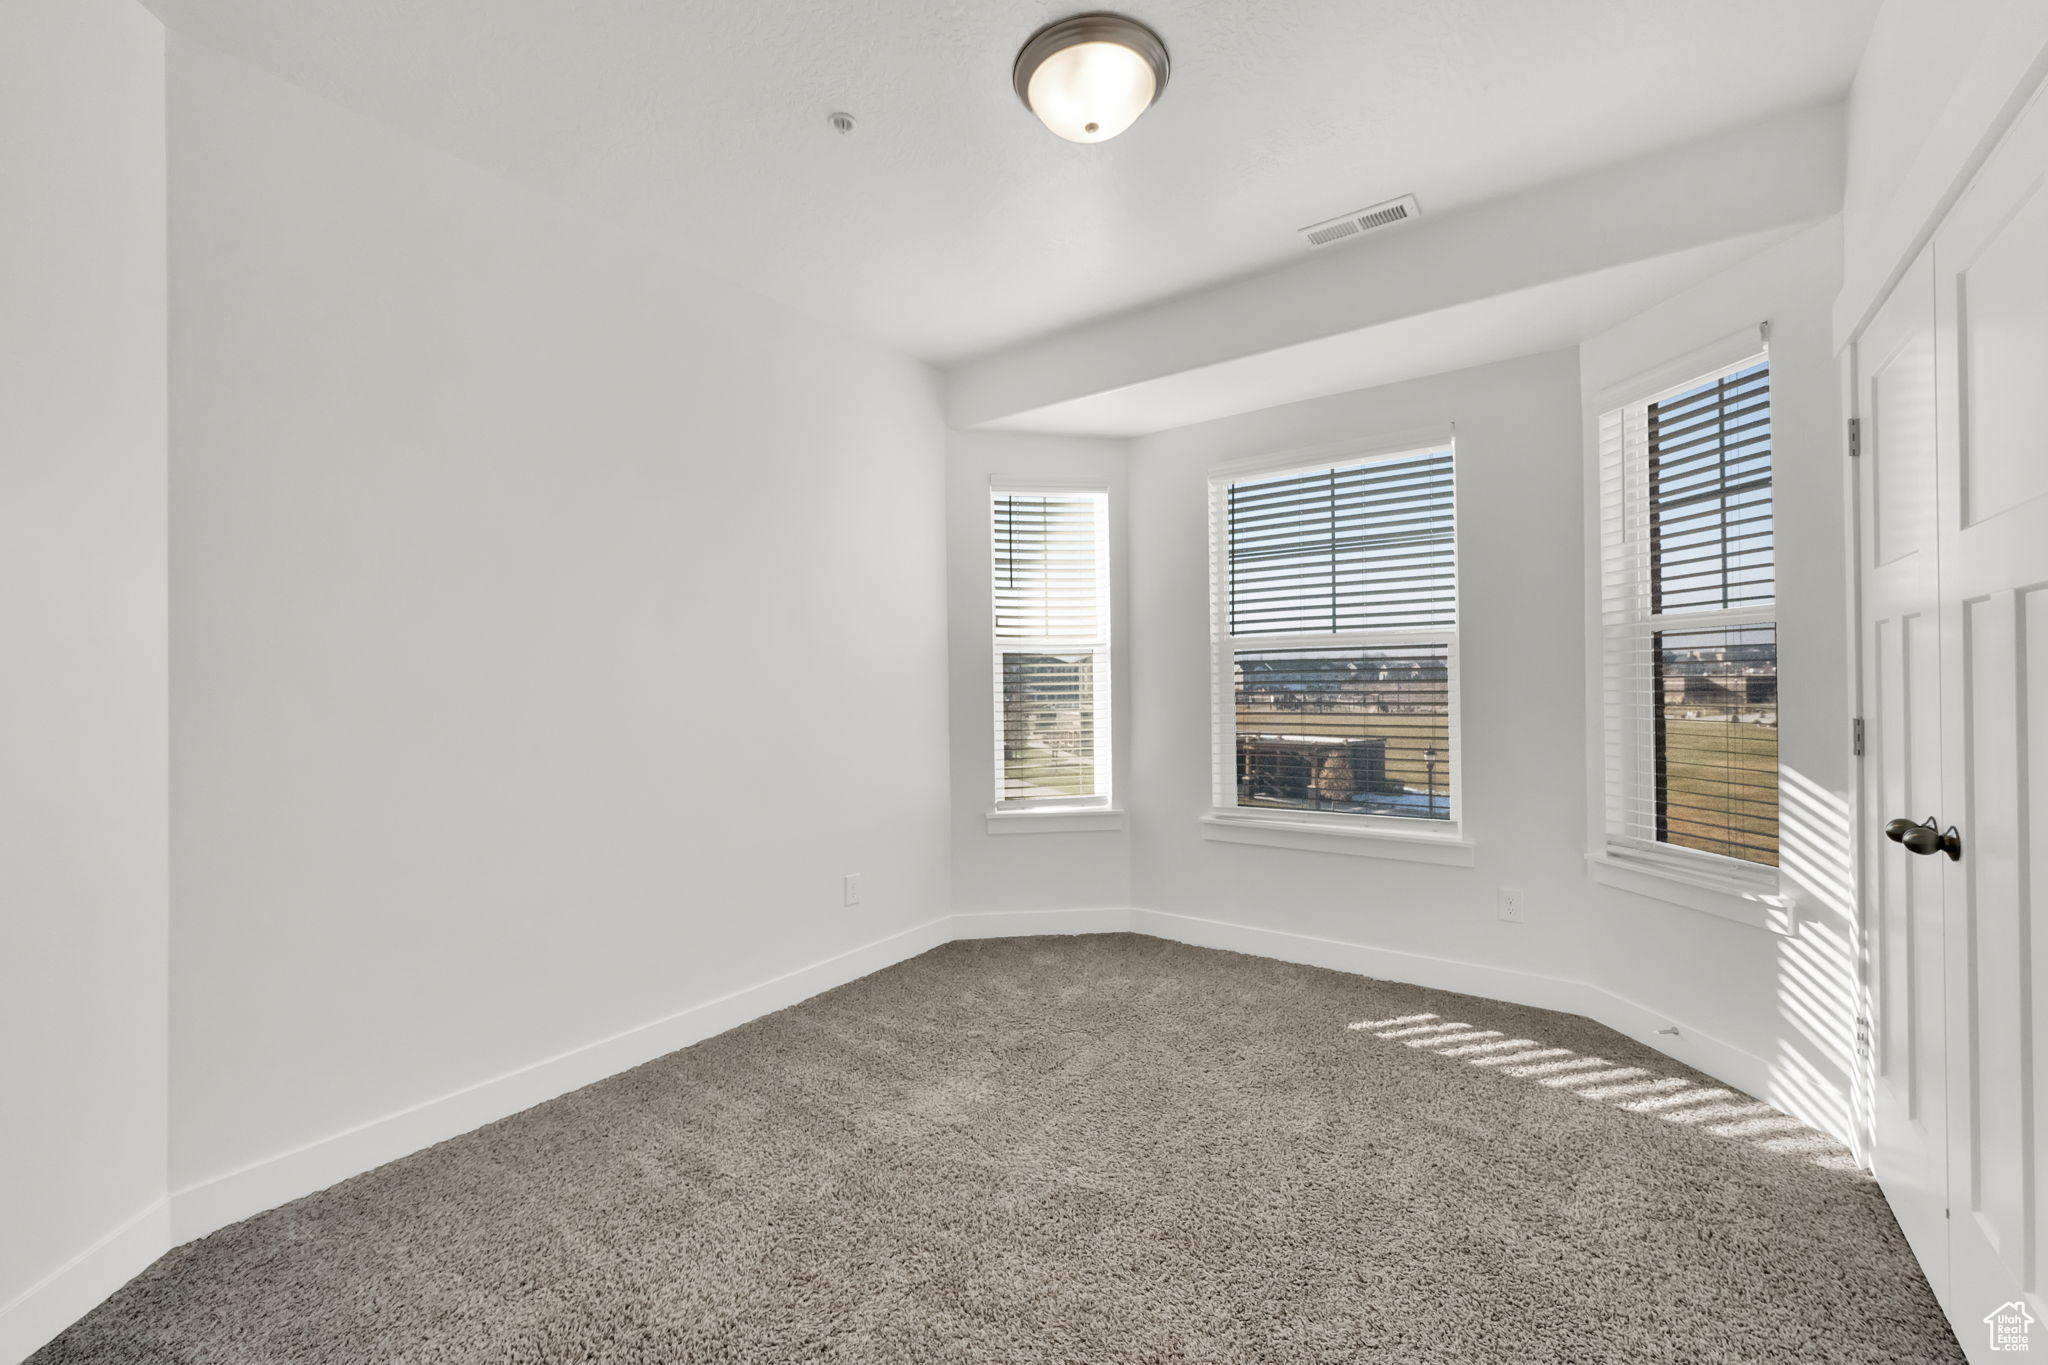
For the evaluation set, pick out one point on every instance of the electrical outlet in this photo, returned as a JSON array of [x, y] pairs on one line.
[[1511, 904], [853, 888]]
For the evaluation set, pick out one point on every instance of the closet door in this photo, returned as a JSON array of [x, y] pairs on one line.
[[1991, 302], [1901, 633]]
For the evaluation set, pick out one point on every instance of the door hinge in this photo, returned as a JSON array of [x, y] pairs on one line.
[[1856, 735], [1855, 437]]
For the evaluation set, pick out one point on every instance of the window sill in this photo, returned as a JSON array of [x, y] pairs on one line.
[[1756, 902], [1054, 821], [1317, 837]]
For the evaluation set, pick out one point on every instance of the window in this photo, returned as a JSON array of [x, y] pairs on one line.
[[1051, 599], [1689, 624], [1337, 641]]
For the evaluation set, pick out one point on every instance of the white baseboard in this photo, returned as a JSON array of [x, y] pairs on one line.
[[66, 1294], [211, 1204], [1387, 964], [1024, 923], [205, 1206], [1693, 1046]]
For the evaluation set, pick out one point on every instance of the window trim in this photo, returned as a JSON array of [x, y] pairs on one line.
[[1050, 814], [1322, 831], [1766, 904], [1445, 841], [1756, 894], [1065, 820]]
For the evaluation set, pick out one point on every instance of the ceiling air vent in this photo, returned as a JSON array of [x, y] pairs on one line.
[[1362, 221]]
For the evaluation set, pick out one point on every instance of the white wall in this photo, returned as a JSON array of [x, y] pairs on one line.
[[82, 614], [1083, 870], [1918, 53], [1938, 83], [1519, 627], [1787, 1000], [556, 625]]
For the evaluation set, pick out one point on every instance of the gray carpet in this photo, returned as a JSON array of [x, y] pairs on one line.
[[1103, 1149]]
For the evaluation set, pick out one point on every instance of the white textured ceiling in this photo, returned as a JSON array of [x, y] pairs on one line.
[[950, 222]]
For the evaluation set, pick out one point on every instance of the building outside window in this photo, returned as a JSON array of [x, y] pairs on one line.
[[1336, 640]]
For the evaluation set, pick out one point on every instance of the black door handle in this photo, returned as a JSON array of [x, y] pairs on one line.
[[1923, 837]]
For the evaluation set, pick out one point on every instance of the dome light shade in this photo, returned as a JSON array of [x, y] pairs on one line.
[[1090, 76]]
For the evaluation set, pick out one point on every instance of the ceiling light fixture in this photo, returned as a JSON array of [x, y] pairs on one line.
[[1089, 76]]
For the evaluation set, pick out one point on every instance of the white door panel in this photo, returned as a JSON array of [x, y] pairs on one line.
[[1901, 631], [2000, 294], [1991, 307]]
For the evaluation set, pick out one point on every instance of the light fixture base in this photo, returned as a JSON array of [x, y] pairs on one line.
[[1099, 26]]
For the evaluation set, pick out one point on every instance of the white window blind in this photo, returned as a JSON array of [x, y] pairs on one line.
[[1688, 611], [1336, 639], [1051, 604]]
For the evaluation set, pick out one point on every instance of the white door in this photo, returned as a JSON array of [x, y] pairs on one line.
[[1991, 318], [1901, 639]]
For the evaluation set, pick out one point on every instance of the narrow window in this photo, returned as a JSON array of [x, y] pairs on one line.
[[1337, 639], [1051, 602], [1689, 621]]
